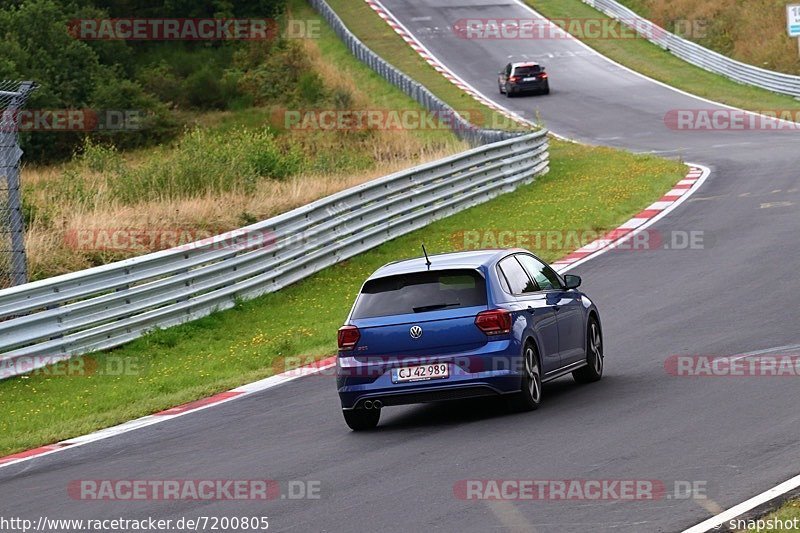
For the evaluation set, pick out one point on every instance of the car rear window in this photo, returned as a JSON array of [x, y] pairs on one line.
[[527, 71], [419, 292]]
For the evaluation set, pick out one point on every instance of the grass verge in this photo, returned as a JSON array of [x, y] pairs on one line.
[[654, 62], [588, 188]]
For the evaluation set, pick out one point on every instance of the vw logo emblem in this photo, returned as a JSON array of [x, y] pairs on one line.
[[416, 332]]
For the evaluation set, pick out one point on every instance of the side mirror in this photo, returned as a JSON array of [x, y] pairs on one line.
[[541, 67], [571, 282]]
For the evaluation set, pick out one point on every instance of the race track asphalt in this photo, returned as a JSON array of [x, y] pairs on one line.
[[738, 293]]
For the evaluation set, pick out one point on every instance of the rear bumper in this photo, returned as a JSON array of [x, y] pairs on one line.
[[430, 394], [493, 371], [528, 87]]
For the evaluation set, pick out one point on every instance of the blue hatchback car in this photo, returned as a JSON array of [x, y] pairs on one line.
[[461, 325]]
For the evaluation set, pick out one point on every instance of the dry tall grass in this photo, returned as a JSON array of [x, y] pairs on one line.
[[50, 251], [753, 31]]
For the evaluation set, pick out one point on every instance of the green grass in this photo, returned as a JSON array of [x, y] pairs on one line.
[[587, 188], [384, 41], [650, 60]]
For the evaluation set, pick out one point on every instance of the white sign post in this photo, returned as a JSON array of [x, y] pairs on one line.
[[793, 22]]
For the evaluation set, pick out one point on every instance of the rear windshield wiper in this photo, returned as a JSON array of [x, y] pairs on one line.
[[434, 307]]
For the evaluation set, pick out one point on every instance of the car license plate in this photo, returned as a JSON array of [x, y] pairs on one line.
[[529, 79], [420, 373]]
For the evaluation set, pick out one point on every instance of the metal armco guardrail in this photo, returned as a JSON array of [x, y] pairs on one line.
[[698, 55], [106, 306], [460, 126]]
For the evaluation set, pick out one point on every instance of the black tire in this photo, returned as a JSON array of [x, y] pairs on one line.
[[530, 395], [546, 91], [361, 419], [508, 93], [593, 371]]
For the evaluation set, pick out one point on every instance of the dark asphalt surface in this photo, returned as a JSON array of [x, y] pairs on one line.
[[740, 293]]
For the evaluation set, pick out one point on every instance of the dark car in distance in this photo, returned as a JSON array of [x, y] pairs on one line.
[[519, 78]]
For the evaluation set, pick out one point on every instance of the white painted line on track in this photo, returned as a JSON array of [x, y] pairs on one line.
[[172, 413], [716, 522]]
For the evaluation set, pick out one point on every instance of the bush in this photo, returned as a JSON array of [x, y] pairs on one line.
[[36, 46], [159, 80], [278, 73], [188, 75], [146, 120], [208, 162], [100, 157], [204, 90], [145, 76], [310, 87]]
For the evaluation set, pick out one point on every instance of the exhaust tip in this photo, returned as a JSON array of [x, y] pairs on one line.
[[377, 404], [368, 404]]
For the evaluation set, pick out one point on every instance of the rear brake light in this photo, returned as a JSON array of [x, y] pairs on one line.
[[348, 337], [513, 79], [544, 76], [494, 322]]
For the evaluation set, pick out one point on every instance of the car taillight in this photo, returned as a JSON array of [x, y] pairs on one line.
[[348, 337], [513, 79], [494, 322], [544, 76]]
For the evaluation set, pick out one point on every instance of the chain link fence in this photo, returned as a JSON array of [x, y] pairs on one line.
[[13, 268]]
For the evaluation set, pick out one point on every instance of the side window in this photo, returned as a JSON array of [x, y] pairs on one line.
[[518, 280], [545, 276], [508, 69], [503, 281]]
